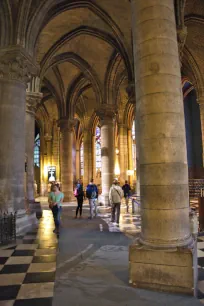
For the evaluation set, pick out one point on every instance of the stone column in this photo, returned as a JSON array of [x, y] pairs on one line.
[[123, 152], [66, 128], [201, 104], [137, 139], [48, 141], [88, 164], [130, 160], [15, 68], [165, 254], [107, 117], [32, 100], [78, 174]]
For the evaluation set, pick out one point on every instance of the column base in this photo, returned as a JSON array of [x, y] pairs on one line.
[[172, 270], [43, 189], [103, 200], [69, 197], [25, 222], [35, 207]]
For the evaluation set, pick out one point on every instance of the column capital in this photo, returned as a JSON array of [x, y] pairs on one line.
[[32, 101], [106, 112], [86, 123], [66, 124], [122, 125], [48, 138], [16, 64]]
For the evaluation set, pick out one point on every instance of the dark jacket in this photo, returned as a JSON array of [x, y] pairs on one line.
[[92, 191], [126, 189], [80, 190]]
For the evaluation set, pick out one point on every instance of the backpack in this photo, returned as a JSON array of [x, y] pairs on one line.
[[91, 192], [76, 192]]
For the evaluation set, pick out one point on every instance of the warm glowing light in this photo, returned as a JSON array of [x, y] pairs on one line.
[[117, 151], [45, 170], [117, 169], [130, 172]]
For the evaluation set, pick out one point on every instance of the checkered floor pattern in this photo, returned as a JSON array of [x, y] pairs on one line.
[[27, 269], [129, 222]]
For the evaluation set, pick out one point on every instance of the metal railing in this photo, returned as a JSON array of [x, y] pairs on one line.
[[135, 204], [7, 227]]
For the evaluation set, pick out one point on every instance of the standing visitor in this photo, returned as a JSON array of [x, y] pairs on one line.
[[92, 195], [55, 200], [79, 194], [126, 190], [115, 196]]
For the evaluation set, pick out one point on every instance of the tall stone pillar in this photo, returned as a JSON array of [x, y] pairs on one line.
[[137, 139], [48, 141], [88, 162], [165, 256], [66, 128], [107, 118], [78, 174], [201, 104], [130, 154], [32, 100], [123, 152], [15, 68]]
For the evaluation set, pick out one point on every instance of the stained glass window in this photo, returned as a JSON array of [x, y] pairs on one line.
[[98, 149], [133, 145], [37, 151], [82, 159]]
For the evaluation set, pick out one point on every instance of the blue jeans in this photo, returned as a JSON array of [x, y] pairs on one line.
[[93, 207], [57, 211]]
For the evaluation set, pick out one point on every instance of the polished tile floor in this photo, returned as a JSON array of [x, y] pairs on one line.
[[27, 269]]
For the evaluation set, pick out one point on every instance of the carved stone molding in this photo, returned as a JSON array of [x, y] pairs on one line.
[[106, 112], [131, 92], [47, 138], [181, 35], [66, 124], [86, 123], [32, 101], [16, 64]]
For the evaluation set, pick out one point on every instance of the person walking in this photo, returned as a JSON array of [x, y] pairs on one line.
[[79, 194], [92, 195], [126, 189], [115, 196], [55, 200]]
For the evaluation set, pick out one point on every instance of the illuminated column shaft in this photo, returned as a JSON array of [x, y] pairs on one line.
[[123, 152], [32, 100], [66, 127]]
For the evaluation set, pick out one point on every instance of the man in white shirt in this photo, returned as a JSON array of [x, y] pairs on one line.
[[115, 196]]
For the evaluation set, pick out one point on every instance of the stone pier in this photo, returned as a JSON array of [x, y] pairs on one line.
[[164, 257]]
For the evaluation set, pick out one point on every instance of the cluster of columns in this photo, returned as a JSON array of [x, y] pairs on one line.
[[66, 126], [33, 98], [16, 68], [164, 257]]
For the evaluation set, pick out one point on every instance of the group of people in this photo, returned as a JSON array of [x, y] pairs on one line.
[[116, 194]]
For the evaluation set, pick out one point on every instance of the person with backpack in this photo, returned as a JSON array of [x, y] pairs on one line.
[[79, 194], [115, 196], [92, 195], [126, 189]]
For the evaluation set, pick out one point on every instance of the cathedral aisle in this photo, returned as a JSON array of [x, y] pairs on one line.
[[88, 265]]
